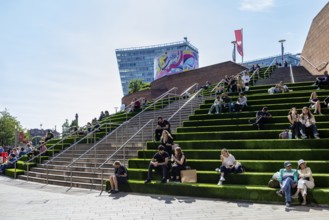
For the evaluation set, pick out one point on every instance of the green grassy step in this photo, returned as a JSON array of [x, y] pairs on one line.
[[249, 144], [243, 127], [14, 173], [212, 177], [226, 135], [228, 192], [306, 84], [320, 166], [208, 120], [250, 154]]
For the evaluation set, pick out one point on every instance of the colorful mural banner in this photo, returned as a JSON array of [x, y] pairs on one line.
[[175, 61]]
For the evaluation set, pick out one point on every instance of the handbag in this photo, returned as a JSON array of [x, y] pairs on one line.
[[188, 176]]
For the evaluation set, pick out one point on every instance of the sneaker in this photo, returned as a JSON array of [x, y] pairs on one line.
[[279, 193], [294, 196], [288, 204], [147, 181], [316, 136], [318, 88], [164, 180], [217, 170], [115, 191], [110, 191], [303, 136], [222, 179], [209, 113], [220, 183], [296, 137]]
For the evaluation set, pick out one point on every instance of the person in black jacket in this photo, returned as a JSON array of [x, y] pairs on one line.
[[159, 163], [120, 176]]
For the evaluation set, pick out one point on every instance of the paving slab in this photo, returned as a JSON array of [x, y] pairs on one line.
[[34, 201]]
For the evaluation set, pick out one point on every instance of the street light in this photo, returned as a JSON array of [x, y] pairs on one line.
[[233, 53], [282, 50]]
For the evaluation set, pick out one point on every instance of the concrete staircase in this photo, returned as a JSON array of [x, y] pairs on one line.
[[283, 74], [77, 166]]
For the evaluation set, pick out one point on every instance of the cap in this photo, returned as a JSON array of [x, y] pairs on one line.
[[301, 161], [160, 147], [287, 163]]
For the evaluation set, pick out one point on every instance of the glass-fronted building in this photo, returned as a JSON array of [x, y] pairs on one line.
[[138, 62], [293, 59]]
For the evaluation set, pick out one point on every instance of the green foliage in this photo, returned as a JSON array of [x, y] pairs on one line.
[[136, 85], [7, 128]]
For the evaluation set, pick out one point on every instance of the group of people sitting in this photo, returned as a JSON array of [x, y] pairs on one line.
[[137, 104], [300, 178], [278, 88], [223, 101], [237, 83]]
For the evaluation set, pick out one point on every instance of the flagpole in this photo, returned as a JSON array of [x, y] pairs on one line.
[[242, 44]]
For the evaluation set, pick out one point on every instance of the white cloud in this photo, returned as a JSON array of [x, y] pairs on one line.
[[256, 5]]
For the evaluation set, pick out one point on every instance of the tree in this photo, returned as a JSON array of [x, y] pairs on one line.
[[136, 85], [8, 128]]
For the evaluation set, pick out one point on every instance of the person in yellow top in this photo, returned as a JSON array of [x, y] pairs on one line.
[[305, 180]]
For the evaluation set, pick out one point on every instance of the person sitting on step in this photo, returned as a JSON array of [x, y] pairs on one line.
[[119, 177], [282, 87], [159, 163], [227, 102], [9, 164], [295, 124], [315, 103], [262, 117], [179, 163], [217, 104], [307, 120], [162, 125], [305, 181], [288, 179], [229, 165], [322, 80], [241, 102], [167, 141]]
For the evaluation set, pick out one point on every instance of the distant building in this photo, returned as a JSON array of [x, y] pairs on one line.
[[138, 62], [292, 59]]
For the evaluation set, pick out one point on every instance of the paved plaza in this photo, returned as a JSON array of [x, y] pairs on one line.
[[33, 201]]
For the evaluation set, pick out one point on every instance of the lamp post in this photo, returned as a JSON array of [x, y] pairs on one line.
[[16, 138], [234, 53], [282, 50]]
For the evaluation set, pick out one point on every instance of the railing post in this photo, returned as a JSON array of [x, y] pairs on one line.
[[47, 173], [27, 172], [102, 183]]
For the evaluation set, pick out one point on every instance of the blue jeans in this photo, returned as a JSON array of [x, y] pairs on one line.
[[286, 188]]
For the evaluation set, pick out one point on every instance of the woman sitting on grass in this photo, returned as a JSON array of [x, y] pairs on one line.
[[295, 124], [179, 163], [305, 180], [229, 165], [315, 103], [307, 120], [167, 141]]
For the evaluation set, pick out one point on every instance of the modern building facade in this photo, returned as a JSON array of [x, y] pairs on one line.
[[293, 59], [138, 62]]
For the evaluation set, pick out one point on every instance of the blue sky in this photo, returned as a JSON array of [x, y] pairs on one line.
[[57, 58]]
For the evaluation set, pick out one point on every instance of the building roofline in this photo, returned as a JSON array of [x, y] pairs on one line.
[[159, 45]]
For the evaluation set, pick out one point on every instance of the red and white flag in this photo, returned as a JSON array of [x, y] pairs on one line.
[[239, 41]]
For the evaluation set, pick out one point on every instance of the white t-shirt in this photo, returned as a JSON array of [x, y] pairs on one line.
[[228, 161]]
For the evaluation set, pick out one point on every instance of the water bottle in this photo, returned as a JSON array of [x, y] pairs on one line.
[[289, 134]]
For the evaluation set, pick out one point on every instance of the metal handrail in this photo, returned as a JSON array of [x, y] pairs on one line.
[[115, 152], [188, 101], [51, 147], [73, 145], [323, 64], [291, 75], [271, 64], [188, 89], [220, 82]]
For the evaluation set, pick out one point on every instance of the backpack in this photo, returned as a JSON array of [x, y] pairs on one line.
[[284, 134]]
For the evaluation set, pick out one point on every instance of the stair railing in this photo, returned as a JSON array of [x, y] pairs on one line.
[[291, 74], [123, 148], [320, 67], [268, 68], [87, 137], [188, 102]]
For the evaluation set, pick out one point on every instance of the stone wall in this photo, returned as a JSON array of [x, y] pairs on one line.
[[184, 80], [316, 47]]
